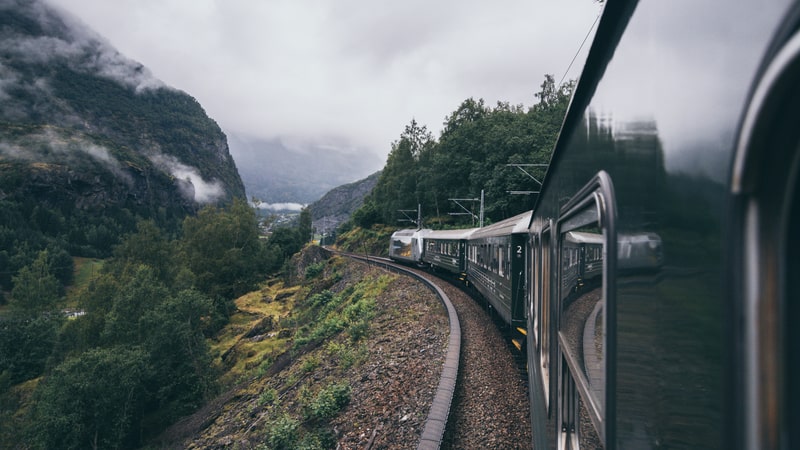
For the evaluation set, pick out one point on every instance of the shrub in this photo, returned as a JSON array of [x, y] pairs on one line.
[[320, 299], [329, 401], [282, 432], [315, 269], [310, 364], [358, 330], [268, 397], [363, 309]]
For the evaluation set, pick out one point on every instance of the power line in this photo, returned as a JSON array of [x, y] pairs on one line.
[[581, 46]]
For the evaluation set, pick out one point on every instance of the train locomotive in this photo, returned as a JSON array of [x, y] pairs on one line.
[[406, 246], [653, 276]]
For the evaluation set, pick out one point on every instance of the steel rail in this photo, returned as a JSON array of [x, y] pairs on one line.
[[436, 423]]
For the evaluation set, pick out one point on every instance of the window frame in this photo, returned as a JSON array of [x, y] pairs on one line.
[[598, 196]]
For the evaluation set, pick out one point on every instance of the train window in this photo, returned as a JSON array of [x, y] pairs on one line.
[[544, 312], [507, 261], [587, 250], [501, 260], [533, 306]]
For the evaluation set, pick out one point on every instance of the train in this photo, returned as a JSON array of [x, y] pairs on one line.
[[652, 279]]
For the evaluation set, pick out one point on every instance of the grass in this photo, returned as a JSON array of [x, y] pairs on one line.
[[360, 240], [296, 406], [86, 269], [251, 355]]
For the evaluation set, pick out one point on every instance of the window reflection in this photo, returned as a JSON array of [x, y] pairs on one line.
[[544, 309], [582, 323]]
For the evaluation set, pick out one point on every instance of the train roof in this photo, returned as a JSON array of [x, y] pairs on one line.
[[512, 225], [451, 234], [411, 232]]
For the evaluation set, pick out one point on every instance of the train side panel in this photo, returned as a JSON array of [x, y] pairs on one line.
[[446, 250], [496, 260], [654, 356]]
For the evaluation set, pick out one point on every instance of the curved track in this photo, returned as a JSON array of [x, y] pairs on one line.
[[436, 423]]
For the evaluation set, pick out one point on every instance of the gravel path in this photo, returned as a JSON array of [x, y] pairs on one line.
[[490, 408]]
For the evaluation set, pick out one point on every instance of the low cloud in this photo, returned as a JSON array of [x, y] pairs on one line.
[[77, 46], [353, 68], [8, 79], [192, 185], [280, 206], [51, 146]]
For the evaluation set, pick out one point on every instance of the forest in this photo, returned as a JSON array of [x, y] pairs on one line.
[[473, 153], [110, 361], [106, 318]]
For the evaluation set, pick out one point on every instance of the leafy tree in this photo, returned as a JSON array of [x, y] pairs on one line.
[[304, 227], [475, 146], [144, 292], [178, 353], [62, 266], [366, 216], [76, 336], [25, 346], [287, 241], [93, 401], [222, 249], [397, 185], [35, 288], [148, 246], [47, 220]]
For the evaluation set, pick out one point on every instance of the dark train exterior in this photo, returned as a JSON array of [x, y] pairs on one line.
[[446, 249], [680, 152], [653, 278], [496, 264]]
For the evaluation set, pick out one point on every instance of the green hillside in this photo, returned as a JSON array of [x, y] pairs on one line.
[[90, 142]]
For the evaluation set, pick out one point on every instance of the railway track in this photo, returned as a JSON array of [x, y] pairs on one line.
[[436, 423], [481, 401]]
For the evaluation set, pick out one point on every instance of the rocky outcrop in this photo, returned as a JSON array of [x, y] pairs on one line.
[[336, 206]]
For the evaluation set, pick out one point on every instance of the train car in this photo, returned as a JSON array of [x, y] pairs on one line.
[[446, 249], [407, 245], [581, 260], [682, 132], [496, 264]]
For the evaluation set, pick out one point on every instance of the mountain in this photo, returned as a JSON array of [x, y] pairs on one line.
[[87, 133], [337, 205], [275, 172]]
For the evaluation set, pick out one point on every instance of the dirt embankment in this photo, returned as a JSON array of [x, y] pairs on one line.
[[350, 357]]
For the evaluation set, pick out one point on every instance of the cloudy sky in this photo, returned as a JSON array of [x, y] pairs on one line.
[[345, 74]]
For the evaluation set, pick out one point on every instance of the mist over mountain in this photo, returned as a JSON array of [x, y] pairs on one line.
[[276, 173], [83, 129]]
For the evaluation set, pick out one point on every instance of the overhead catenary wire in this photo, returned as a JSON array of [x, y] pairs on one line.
[[588, 33]]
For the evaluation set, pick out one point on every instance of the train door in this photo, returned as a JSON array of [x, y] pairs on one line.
[[586, 318], [766, 192]]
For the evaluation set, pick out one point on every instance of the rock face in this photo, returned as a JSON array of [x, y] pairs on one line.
[[84, 128], [337, 205]]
